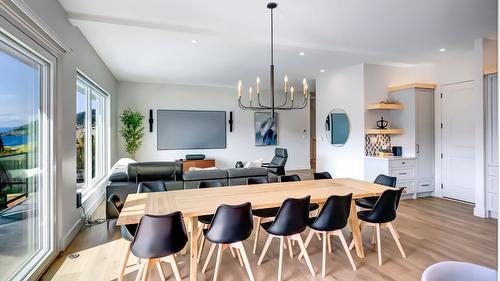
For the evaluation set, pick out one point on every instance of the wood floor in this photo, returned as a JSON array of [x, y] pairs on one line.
[[431, 230]]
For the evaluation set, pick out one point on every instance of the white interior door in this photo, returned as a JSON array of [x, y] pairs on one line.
[[458, 164]]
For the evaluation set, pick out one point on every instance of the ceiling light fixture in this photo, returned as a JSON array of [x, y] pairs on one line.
[[442, 50], [272, 107], [301, 54], [322, 70], [194, 41]]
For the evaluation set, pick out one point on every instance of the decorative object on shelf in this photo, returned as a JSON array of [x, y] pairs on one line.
[[132, 130], [239, 164], [287, 90], [389, 101], [385, 152], [266, 129], [397, 150], [382, 124]]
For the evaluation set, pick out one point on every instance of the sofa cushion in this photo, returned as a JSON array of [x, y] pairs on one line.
[[204, 175], [152, 171], [246, 172], [118, 177]]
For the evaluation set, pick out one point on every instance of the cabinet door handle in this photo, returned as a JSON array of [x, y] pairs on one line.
[[402, 163], [418, 148], [402, 173], [425, 184]]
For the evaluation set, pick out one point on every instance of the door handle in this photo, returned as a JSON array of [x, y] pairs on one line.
[[418, 148]]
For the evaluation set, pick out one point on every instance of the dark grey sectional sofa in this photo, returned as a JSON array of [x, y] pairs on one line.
[[122, 183]]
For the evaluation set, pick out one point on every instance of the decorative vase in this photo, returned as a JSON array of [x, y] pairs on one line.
[[239, 164]]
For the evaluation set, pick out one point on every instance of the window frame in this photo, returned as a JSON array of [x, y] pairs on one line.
[[103, 133], [23, 43]]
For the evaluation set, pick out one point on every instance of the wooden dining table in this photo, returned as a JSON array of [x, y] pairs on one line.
[[198, 202]]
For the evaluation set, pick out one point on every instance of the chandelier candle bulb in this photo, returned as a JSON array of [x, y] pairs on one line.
[[239, 89], [250, 91], [258, 86], [291, 92], [286, 83]]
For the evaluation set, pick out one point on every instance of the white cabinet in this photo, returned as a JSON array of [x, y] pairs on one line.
[[491, 158], [417, 120], [403, 168]]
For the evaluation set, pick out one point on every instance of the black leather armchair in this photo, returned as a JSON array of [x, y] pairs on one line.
[[277, 165]]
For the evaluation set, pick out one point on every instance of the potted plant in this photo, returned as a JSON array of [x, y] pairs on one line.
[[132, 130]]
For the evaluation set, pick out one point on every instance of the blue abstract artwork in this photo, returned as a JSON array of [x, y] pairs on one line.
[[266, 129]]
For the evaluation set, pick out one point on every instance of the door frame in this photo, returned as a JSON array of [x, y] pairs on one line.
[[32, 270]]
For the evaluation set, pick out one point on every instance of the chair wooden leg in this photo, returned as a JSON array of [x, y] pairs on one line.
[[171, 259], [232, 252], [217, 264], [344, 244], [379, 246], [239, 257], [123, 263], [396, 239], [290, 250], [323, 260], [304, 251], [160, 271], [280, 265], [330, 248], [201, 249], [266, 247], [308, 240], [256, 235], [140, 271], [241, 249], [209, 257], [318, 235], [147, 270]]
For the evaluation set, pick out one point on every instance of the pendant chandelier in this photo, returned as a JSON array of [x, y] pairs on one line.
[[286, 105]]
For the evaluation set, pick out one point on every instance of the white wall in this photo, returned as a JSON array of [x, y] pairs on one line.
[[240, 143], [342, 89], [84, 58]]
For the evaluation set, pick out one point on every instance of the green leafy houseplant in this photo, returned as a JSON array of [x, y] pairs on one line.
[[132, 130]]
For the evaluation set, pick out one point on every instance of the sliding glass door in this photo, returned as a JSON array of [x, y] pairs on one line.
[[26, 202]]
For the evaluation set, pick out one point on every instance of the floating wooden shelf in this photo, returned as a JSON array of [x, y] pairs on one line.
[[384, 131], [413, 85], [385, 106]]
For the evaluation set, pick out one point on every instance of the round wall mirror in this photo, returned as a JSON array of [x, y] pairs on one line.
[[337, 127]]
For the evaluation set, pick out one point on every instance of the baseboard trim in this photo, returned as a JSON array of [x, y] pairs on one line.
[[66, 240]]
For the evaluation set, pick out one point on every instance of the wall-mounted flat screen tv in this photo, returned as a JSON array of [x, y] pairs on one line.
[[191, 129]]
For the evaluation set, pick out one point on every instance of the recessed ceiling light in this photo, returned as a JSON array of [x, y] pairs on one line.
[[442, 50], [301, 54], [322, 70], [194, 41]]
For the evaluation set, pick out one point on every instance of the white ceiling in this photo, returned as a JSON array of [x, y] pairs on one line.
[[150, 40]]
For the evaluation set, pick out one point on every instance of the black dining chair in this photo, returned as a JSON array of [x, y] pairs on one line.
[[159, 238], [261, 214], [383, 213], [151, 186], [230, 227], [206, 219], [127, 232], [322, 176], [331, 220], [369, 202], [291, 178], [291, 220]]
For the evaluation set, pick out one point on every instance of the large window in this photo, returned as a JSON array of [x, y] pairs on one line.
[[26, 206], [91, 133]]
